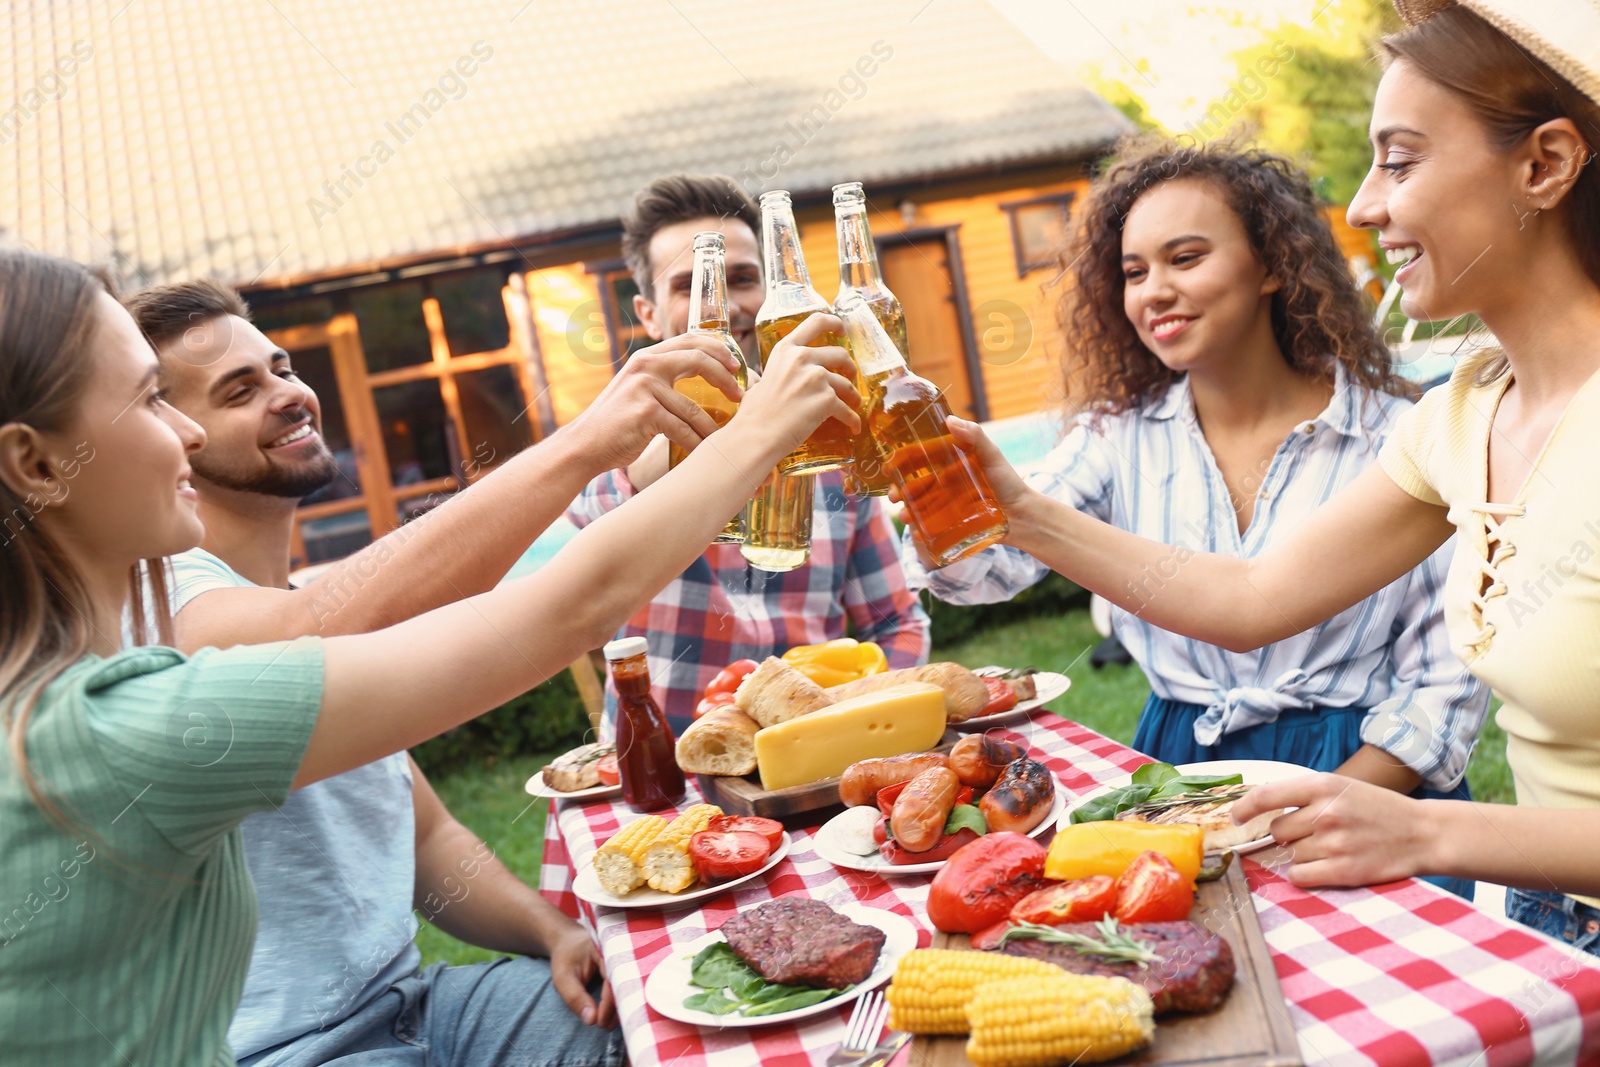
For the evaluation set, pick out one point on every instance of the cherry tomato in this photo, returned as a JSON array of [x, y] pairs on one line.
[[1086, 900], [711, 703], [727, 855], [981, 882], [943, 849], [728, 679], [771, 829], [1152, 890], [1001, 697], [607, 770]]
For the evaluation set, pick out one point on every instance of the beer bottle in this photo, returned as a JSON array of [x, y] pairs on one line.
[[646, 761], [858, 272], [708, 314], [778, 523], [790, 301], [949, 504]]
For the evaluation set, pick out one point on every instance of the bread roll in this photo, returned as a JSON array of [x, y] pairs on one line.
[[965, 695], [775, 692], [723, 741]]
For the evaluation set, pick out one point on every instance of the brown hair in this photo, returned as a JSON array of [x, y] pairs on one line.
[[679, 198], [1512, 92], [164, 312], [47, 327], [1319, 319]]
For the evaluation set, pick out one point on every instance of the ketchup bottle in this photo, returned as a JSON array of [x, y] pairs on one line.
[[651, 779]]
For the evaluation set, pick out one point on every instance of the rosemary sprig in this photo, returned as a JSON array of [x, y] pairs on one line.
[[1112, 944], [1182, 799]]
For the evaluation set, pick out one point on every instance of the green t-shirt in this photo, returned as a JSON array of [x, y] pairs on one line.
[[128, 943]]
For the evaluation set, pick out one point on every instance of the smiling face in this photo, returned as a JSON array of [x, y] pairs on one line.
[[1448, 206], [1192, 285], [672, 268], [124, 459], [263, 424]]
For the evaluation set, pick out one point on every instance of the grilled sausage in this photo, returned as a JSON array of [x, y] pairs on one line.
[[1021, 799], [978, 759], [922, 810], [861, 780]]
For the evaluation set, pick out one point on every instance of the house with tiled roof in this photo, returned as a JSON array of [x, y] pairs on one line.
[[420, 199]]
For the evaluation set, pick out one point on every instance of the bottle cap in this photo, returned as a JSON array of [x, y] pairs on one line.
[[624, 647]]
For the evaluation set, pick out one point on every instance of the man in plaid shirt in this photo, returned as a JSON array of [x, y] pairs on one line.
[[721, 609]]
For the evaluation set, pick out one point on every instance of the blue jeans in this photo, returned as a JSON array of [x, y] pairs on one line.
[[1561, 917], [500, 1013]]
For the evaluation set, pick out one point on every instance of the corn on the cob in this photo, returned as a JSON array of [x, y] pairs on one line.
[[1066, 1018], [667, 866], [619, 863], [932, 986]]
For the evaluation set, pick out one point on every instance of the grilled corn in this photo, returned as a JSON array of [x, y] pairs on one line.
[[1065, 1018], [619, 863], [932, 986], [667, 866]]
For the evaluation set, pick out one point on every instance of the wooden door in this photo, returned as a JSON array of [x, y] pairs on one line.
[[919, 273]]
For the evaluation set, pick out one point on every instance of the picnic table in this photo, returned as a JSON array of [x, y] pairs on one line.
[[1400, 974]]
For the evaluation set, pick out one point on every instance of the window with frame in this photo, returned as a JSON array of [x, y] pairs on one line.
[[1039, 230], [617, 290]]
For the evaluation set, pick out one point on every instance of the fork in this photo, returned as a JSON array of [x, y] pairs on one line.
[[861, 1034]]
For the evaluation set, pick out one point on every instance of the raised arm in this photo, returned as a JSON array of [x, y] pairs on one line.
[[469, 542], [1365, 537], [392, 689]]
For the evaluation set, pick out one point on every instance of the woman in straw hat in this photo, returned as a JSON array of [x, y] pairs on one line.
[[1483, 128]]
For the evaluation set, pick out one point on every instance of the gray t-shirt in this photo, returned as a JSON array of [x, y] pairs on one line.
[[334, 869]]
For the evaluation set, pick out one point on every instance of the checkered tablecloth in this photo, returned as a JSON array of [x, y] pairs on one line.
[[1399, 975]]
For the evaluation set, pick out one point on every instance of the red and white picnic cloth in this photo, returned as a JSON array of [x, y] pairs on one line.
[[1401, 974]]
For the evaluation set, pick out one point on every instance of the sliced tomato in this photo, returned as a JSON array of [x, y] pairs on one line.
[[943, 849], [607, 770], [718, 855], [712, 702], [989, 937], [728, 679], [1001, 697], [1152, 890], [1086, 900], [771, 829]]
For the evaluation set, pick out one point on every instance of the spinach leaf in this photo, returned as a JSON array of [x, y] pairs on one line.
[[717, 967], [966, 816], [802, 999], [1193, 783], [1154, 774], [712, 1001], [732, 986], [1107, 805]]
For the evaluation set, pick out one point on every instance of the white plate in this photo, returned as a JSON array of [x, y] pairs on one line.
[[538, 787], [826, 846], [668, 985], [587, 886], [1049, 686], [1254, 772]]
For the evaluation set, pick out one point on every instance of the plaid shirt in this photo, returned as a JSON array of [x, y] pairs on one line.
[[722, 609]]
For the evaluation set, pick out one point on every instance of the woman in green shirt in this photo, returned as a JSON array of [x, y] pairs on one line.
[[126, 910]]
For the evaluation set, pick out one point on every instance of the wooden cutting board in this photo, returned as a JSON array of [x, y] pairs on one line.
[[1250, 1029], [807, 804]]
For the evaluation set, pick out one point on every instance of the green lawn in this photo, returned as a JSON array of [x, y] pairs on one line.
[[493, 804]]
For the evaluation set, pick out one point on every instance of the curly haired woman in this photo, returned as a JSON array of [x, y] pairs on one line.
[[1225, 380]]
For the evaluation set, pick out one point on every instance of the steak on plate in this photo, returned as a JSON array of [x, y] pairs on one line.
[[797, 941], [1192, 972]]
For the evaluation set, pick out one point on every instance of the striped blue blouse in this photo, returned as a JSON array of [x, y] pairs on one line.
[[1151, 472]]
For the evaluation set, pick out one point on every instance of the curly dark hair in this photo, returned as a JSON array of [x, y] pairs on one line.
[[1319, 318]]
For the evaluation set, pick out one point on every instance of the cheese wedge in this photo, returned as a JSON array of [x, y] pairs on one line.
[[890, 722]]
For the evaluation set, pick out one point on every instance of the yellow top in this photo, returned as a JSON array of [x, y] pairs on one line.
[[1522, 600]]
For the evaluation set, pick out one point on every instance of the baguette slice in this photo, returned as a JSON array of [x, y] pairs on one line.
[[965, 695], [775, 692], [722, 741]]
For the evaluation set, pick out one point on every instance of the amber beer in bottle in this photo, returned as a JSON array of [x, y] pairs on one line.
[[778, 523], [708, 314], [949, 503], [651, 779], [868, 475], [790, 301]]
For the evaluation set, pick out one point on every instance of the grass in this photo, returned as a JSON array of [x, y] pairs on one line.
[[491, 801]]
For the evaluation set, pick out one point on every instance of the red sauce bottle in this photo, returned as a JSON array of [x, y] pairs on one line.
[[651, 778]]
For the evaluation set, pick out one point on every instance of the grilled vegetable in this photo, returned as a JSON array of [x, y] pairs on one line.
[[1080, 901], [1110, 847], [837, 662], [667, 866], [1152, 890], [981, 882], [932, 986], [1063, 1018], [619, 863]]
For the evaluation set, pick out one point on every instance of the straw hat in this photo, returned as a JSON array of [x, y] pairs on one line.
[[1563, 33]]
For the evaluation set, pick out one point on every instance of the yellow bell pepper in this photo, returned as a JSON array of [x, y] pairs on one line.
[[1108, 847], [837, 662]]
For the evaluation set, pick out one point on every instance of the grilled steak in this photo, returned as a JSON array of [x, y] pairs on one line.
[[1193, 970], [795, 941]]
